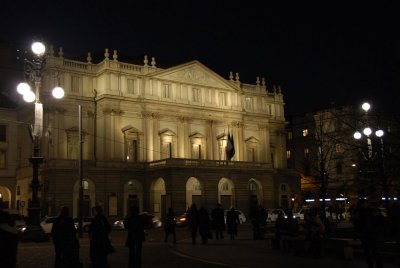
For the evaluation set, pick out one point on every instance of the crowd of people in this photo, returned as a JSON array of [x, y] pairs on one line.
[[370, 226]]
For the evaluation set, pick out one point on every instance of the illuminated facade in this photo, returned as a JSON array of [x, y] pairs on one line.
[[156, 137]]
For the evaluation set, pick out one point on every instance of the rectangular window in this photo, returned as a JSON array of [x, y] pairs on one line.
[[249, 103], [112, 205], [131, 86], [290, 135], [222, 99], [339, 169], [305, 132], [3, 159], [75, 84], [338, 148], [3, 133], [288, 154], [196, 95], [306, 152], [166, 91]]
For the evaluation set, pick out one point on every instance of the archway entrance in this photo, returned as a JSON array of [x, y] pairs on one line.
[[226, 193], [193, 192]]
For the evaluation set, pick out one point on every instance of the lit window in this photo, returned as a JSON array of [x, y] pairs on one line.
[[75, 84], [225, 186], [196, 95], [166, 93], [249, 103], [338, 148], [222, 99], [197, 186], [85, 185], [305, 132], [288, 154], [132, 86], [306, 152], [290, 135]]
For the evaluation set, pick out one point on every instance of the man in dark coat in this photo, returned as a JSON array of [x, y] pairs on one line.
[[169, 225], [193, 222], [232, 221], [204, 225], [66, 244], [218, 221], [100, 245], [134, 224]]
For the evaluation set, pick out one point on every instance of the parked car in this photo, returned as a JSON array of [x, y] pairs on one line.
[[181, 220], [47, 224], [273, 214], [150, 221], [242, 217], [85, 223], [18, 219], [299, 215]]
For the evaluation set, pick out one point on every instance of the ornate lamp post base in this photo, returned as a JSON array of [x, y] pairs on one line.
[[34, 231]]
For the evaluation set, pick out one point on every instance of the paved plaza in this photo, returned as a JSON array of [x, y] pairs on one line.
[[241, 252]]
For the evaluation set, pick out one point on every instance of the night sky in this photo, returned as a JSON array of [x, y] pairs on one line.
[[324, 53]]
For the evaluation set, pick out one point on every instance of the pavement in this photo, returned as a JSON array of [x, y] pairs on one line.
[[243, 252]]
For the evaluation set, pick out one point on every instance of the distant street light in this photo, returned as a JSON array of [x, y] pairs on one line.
[[33, 71]]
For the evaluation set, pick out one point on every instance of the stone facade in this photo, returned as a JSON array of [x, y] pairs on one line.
[[156, 137]]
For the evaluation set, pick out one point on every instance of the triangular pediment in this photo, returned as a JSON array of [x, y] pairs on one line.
[[196, 135], [166, 132], [252, 140], [195, 73]]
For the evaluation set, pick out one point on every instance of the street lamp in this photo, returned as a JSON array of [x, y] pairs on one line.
[[33, 67], [379, 133]]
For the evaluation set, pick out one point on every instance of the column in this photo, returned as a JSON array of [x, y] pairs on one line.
[[148, 136], [181, 137]]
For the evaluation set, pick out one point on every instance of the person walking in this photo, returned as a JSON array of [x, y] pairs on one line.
[[232, 221], [169, 225], [100, 244], [65, 242], [218, 221], [193, 222], [8, 240], [134, 224], [204, 225]]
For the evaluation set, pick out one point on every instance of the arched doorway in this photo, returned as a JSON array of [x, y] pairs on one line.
[[5, 197], [89, 197], [255, 196], [133, 195], [226, 193], [157, 197], [193, 192]]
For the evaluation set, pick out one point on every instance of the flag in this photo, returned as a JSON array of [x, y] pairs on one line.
[[230, 147]]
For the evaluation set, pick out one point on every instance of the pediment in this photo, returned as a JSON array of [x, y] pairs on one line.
[[252, 140], [196, 135], [130, 129], [166, 132], [195, 73]]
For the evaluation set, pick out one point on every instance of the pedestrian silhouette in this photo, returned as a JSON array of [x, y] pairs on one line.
[[65, 242], [100, 244], [193, 222], [8, 240], [134, 224], [169, 225], [204, 225], [232, 221], [218, 221]]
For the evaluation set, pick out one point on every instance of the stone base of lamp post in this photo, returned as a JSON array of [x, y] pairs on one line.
[[34, 231]]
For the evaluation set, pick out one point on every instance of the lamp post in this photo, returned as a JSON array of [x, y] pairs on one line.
[[369, 134], [33, 73]]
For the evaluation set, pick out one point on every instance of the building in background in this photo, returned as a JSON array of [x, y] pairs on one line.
[[153, 137], [321, 147]]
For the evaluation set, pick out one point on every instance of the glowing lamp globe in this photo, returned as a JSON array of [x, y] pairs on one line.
[[23, 88], [38, 48], [29, 96], [58, 92]]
